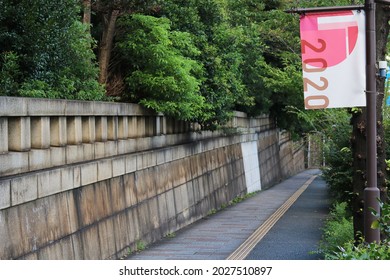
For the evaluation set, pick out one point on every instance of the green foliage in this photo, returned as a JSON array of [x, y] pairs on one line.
[[140, 246], [160, 73], [383, 219], [222, 56], [212, 212], [9, 73], [245, 12], [338, 174], [332, 126], [328, 3], [387, 167], [245, 50], [284, 85], [338, 243], [363, 251], [386, 127], [239, 199], [277, 69], [170, 235], [344, 249], [196, 60], [337, 231], [37, 89], [51, 51]]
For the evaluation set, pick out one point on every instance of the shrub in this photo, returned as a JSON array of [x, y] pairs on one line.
[[338, 173], [337, 231], [364, 251], [342, 249]]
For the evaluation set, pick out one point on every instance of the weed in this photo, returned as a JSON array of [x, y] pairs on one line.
[[140, 246], [170, 235], [337, 231], [242, 198]]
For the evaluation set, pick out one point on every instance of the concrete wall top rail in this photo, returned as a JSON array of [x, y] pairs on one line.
[[19, 106], [37, 134]]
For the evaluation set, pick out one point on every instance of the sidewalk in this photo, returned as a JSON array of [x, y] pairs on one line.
[[234, 232]]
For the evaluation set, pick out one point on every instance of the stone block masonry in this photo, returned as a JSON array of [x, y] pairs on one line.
[[91, 180]]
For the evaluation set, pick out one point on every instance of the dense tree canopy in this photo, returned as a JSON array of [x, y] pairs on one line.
[[159, 71], [193, 59], [249, 51], [46, 51], [196, 60]]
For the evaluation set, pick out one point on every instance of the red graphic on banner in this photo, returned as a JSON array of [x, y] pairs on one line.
[[333, 59], [328, 37]]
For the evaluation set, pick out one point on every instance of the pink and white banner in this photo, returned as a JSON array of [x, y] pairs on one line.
[[333, 59]]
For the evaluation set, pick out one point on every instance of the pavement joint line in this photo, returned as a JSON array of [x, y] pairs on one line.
[[248, 245]]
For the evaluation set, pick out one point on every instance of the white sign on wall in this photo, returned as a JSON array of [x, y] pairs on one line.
[[251, 166]]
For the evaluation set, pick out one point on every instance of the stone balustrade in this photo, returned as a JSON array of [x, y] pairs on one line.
[[37, 134], [41, 133]]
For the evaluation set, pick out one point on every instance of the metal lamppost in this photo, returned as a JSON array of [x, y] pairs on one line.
[[371, 192]]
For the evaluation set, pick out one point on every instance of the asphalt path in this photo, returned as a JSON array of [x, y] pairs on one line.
[[296, 235], [218, 236]]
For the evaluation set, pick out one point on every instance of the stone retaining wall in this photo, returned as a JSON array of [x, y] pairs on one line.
[[91, 180]]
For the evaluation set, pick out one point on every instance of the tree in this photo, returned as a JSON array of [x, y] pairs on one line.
[[158, 70], [220, 45], [87, 6], [49, 50], [281, 69], [239, 55], [383, 29], [359, 133], [108, 12]]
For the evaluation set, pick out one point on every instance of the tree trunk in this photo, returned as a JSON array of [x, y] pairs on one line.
[[382, 33], [87, 12], [106, 44], [358, 140], [359, 148]]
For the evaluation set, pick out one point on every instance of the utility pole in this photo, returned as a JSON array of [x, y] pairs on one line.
[[371, 192]]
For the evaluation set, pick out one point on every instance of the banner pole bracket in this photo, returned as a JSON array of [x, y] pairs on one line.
[[301, 11]]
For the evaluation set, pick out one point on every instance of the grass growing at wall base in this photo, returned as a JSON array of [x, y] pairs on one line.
[[232, 202]]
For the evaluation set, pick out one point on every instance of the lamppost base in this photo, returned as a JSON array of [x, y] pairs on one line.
[[371, 196]]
